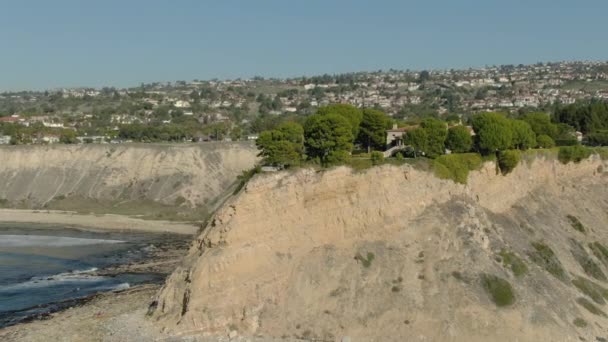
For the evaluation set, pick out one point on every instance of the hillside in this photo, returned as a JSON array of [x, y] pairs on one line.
[[142, 175], [394, 254]]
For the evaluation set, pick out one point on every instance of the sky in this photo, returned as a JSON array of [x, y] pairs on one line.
[[48, 44]]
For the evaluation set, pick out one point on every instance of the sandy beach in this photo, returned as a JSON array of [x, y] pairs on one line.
[[95, 222]]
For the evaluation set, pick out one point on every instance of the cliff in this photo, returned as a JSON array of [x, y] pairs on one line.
[[191, 174], [395, 254]]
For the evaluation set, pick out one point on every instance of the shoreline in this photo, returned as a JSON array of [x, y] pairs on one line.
[[106, 222]]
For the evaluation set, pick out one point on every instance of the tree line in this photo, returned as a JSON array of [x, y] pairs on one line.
[[329, 136]]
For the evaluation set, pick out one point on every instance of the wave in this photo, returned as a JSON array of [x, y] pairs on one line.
[[79, 276], [49, 241]]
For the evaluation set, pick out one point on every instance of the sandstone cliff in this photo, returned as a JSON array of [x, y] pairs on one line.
[[395, 254], [33, 176]]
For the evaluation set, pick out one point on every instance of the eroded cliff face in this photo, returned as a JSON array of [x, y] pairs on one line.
[[198, 173], [393, 254]]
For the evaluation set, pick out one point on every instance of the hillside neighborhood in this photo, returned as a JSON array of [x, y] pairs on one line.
[[240, 109]]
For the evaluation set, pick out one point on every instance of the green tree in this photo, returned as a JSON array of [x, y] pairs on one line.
[[283, 146], [541, 124], [492, 132], [523, 135], [372, 133], [436, 133], [327, 136], [417, 138], [545, 141], [459, 139], [352, 114]]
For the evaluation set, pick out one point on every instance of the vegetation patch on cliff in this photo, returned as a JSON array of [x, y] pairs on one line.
[[499, 289]]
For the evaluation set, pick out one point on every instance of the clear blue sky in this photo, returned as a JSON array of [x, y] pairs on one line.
[[65, 43]]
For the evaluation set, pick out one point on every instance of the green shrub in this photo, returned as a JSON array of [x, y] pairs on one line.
[[574, 154], [590, 267], [600, 252], [499, 290], [584, 302], [579, 322], [576, 224], [338, 157], [377, 158], [591, 289], [456, 166], [544, 257], [245, 177], [512, 261], [366, 262], [545, 141], [508, 160]]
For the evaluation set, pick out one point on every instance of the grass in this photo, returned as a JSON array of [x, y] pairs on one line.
[[576, 224], [544, 257], [600, 252], [594, 291], [456, 166], [499, 289], [579, 322], [366, 262], [513, 262], [584, 302]]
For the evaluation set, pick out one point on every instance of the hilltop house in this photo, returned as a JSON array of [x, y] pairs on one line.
[[396, 135]]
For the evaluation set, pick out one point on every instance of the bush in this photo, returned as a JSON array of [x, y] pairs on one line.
[[544, 257], [576, 223], [338, 157], [512, 261], [508, 160], [584, 302], [545, 141], [579, 322], [377, 157], [499, 290], [456, 166], [574, 154], [591, 289]]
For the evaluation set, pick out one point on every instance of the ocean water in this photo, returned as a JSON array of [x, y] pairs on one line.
[[43, 270]]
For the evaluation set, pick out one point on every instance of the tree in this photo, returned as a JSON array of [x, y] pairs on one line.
[[327, 136], [523, 135], [352, 114], [598, 138], [459, 139], [545, 141], [492, 132], [417, 139], [283, 146], [541, 124], [372, 132], [436, 133]]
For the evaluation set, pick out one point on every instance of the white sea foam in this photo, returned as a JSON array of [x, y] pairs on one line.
[[80, 276], [49, 241]]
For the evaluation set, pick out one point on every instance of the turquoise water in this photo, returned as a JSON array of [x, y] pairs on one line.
[[42, 270]]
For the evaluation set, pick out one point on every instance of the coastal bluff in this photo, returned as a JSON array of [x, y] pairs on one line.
[[394, 254], [185, 174]]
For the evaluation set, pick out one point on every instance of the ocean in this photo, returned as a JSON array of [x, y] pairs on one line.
[[43, 270]]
